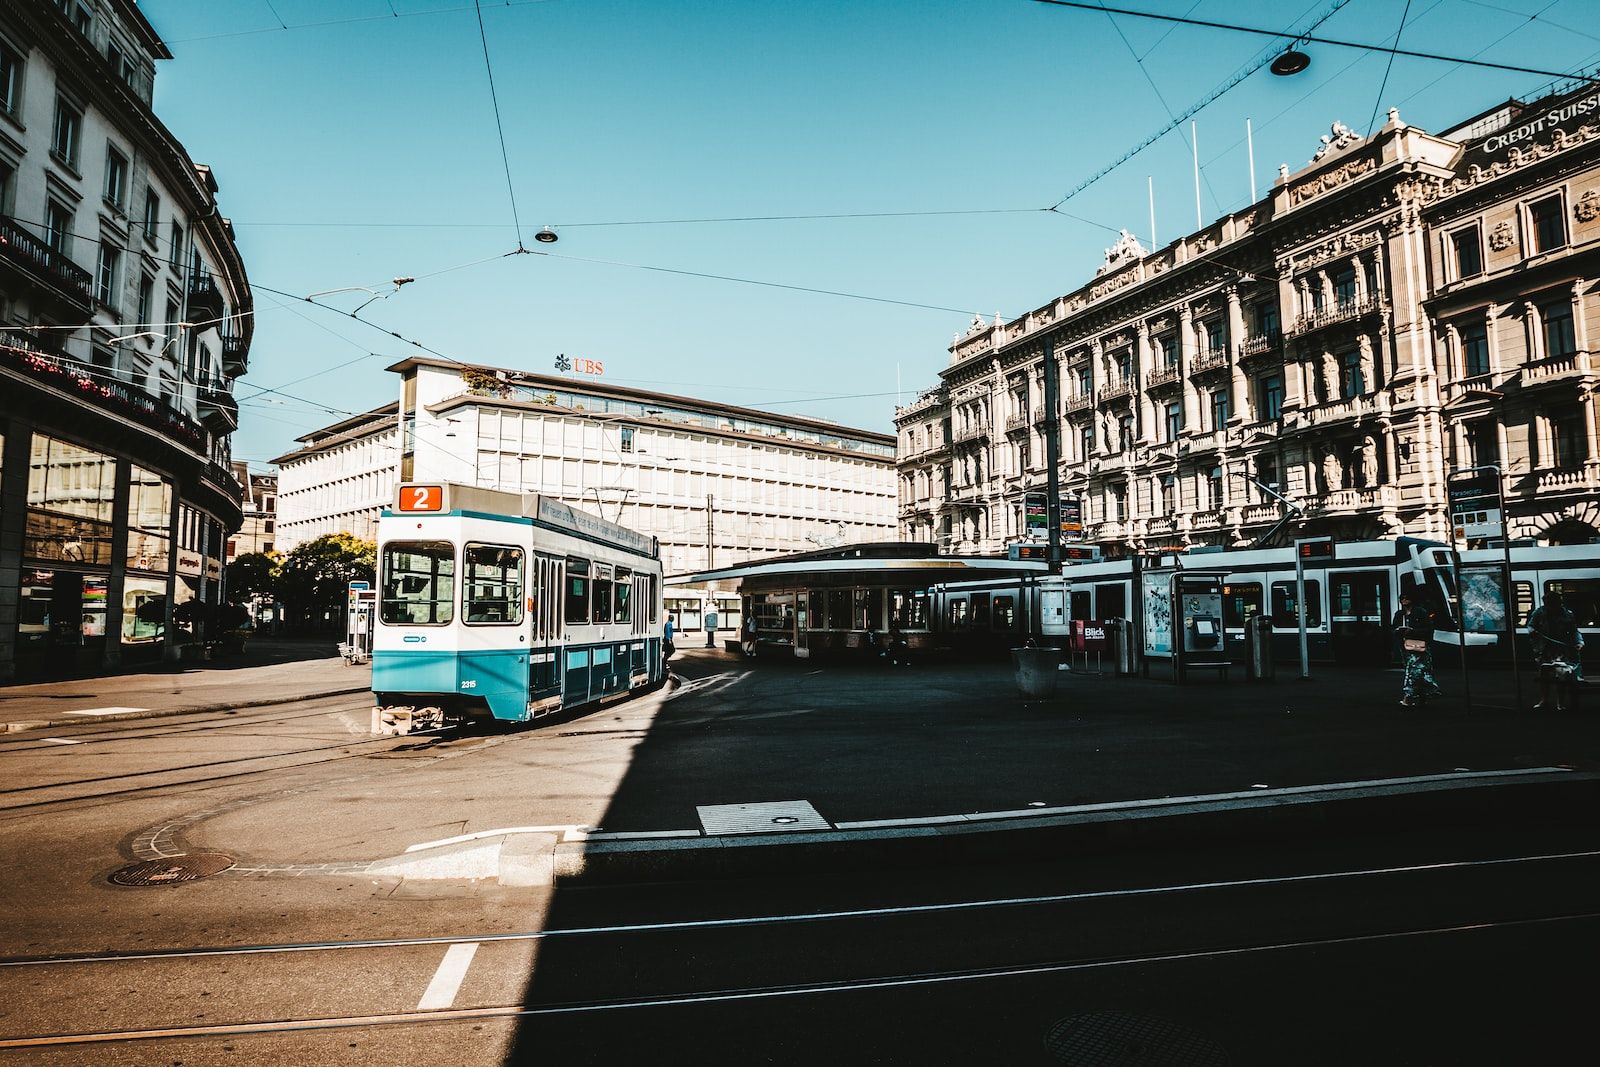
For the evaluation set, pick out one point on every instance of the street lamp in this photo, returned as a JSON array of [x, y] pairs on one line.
[[1291, 62]]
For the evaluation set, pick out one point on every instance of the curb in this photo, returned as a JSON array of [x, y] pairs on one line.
[[1514, 800], [160, 713]]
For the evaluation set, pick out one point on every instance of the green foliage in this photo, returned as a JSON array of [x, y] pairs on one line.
[[253, 574], [314, 576]]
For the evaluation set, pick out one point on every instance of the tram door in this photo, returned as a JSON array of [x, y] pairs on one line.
[[545, 673], [1358, 614]]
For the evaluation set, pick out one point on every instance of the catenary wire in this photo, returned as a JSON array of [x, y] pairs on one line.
[[345, 21], [1405, 12], [499, 126]]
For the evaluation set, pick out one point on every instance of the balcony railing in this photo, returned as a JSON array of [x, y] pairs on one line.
[[49, 366], [205, 299], [221, 478], [1353, 501], [219, 411], [1161, 526], [235, 355], [1586, 477], [975, 432], [1347, 311], [1162, 376], [1076, 403], [1257, 514], [1116, 390], [1209, 360], [1259, 344], [1555, 370], [1016, 420], [26, 252], [1348, 408]]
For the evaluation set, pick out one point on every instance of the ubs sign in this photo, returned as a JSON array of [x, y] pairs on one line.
[[1564, 116]]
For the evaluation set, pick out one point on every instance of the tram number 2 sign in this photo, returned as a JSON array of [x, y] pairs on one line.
[[417, 498]]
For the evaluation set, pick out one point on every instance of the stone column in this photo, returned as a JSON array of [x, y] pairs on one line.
[[1188, 345], [1361, 278], [1144, 360], [1580, 330], [1240, 401], [1592, 453]]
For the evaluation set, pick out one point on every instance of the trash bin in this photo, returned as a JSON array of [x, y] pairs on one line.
[[1036, 670], [1258, 648], [1127, 653]]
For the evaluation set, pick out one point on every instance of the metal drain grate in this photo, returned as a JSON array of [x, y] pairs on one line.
[[171, 871], [1122, 1039], [785, 816]]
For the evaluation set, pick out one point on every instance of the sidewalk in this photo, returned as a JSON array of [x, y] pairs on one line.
[[271, 671]]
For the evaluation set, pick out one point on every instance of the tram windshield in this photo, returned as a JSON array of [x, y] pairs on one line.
[[418, 583]]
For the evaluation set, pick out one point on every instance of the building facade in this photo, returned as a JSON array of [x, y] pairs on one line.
[[715, 483], [258, 523], [1405, 305], [125, 316]]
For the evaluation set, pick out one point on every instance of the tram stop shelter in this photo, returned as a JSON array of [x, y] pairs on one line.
[[838, 599]]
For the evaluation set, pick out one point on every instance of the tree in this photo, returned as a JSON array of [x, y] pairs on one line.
[[253, 574], [315, 575]]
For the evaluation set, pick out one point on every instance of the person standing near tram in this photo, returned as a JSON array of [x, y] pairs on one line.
[[1557, 642], [1413, 624]]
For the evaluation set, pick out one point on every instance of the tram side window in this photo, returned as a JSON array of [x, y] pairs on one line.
[[1080, 604], [418, 583], [838, 609], [1241, 601], [602, 593], [817, 614], [1005, 613], [492, 584], [624, 596], [1582, 596], [980, 611], [1285, 613], [1524, 601], [958, 614], [908, 609], [577, 592]]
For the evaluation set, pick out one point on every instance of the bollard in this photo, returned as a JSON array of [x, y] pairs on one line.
[[1258, 648], [1037, 670]]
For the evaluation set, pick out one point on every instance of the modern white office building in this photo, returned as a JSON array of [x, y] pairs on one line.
[[714, 482]]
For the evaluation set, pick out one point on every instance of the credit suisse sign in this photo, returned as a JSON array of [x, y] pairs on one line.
[[1564, 116]]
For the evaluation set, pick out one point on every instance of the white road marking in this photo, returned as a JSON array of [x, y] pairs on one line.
[[441, 992], [106, 711], [61, 741], [504, 830]]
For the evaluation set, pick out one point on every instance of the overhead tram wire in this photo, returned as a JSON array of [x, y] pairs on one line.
[[1261, 60], [1387, 67], [346, 21], [499, 127], [1310, 38]]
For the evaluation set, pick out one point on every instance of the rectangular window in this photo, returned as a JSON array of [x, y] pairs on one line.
[[1549, 229], [1241, 601], [152, 214], [146, 299], [1085, 442], [1267, 318], [1567, 438], [1582, 596], [491, 584], [8, 188], [1214, 488], [1344, 287], [627, 445], [577, 592], [1286, 614], [116, 179], [58, 228], [602, 593], [1483, 442], [1474, 349], [1272, 396], [105, 286], [1219, 408], [1214, 337], [1174, 420], [65, 133], [1469, 252], [10, 80], [418, 583], [1351, 383], [175, 254], [622, 603], [1558, 334], [1169, 351]]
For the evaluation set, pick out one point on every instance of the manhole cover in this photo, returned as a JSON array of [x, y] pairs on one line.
[[171, 871], [1121, 1039]]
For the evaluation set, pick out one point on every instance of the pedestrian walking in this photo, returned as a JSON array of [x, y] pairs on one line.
[[1557, 645], [711, 628], [667, 648], [749, 633], [1414, 625]]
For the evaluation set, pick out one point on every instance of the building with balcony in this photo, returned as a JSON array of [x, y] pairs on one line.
[[258, 528], [1401, 306], [717, 484], [125, 316]]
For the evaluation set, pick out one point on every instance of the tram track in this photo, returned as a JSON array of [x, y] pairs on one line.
[[177, 724]]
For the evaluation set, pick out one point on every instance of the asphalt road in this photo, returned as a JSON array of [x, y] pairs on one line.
[[1464, 943]]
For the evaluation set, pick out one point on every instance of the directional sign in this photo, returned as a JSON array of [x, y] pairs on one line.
[[1035, 512], [1471, 490], [1072, 517]]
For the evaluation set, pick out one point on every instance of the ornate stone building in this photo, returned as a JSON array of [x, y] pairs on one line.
[[1403, 305]]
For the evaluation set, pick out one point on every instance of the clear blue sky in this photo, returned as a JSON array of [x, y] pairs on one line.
[[352, 153]]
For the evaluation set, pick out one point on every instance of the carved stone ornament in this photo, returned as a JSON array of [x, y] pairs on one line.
[[1588, 206], [1500, 237], [1126, 250], [1338, 138], [1331, 179]]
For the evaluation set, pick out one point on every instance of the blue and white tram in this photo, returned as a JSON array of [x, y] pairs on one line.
[[505, 606]]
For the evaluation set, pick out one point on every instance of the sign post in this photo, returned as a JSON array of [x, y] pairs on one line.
[[1314, 550], [1478, 509]]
